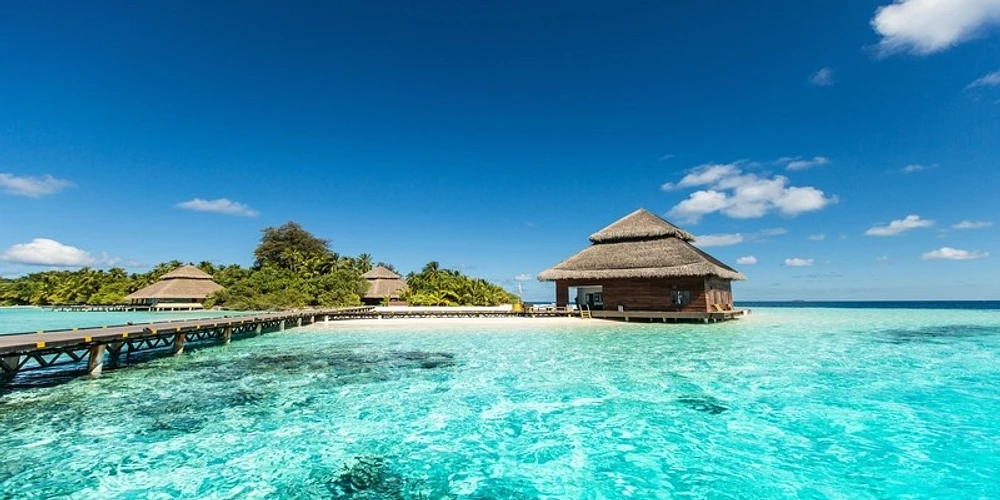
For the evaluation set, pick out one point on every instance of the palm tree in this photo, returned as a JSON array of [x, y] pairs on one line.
[[365, 262]]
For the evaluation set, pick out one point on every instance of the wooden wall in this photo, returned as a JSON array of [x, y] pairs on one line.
[[653, 294]]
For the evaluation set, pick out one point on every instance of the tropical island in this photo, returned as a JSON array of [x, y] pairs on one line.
[[292, 269]]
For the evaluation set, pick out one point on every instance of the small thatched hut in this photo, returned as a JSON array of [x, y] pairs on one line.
[[644, 263], [383, 283], [183, 288]]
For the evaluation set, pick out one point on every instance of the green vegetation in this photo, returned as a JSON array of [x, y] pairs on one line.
[[434, 286], [292, 269]]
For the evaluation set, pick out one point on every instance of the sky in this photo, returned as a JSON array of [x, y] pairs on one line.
[[829, 150]]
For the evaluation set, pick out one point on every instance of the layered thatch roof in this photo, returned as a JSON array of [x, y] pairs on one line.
[[185, 282], [384, 283], [640, 245]]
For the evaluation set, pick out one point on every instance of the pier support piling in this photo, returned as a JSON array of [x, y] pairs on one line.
[[259, 330], [179, 343], [227, 335], [8, 366], [299, 323], [95, 360], [281, 326]]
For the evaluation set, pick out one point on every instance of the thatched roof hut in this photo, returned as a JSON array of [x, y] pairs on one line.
[[640, 245], [644, 259], [183, 288], [383, 283]]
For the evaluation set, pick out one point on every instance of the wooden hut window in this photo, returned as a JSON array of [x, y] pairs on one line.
[[681, 297]]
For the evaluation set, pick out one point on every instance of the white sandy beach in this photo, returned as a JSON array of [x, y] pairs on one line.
[[404, 323]]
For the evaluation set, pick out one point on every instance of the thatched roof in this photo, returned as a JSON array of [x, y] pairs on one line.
[[185, 282], [181, 288], [639, 225], [640, 245], [384, 283], [381, 272], [187, 272]]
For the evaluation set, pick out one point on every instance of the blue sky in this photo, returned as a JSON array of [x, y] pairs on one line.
[[495, 139]]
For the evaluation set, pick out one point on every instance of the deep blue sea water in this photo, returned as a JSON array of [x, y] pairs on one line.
[[791, 402]]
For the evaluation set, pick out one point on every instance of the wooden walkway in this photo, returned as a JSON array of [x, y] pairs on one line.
[[47, 349], [71, 348]]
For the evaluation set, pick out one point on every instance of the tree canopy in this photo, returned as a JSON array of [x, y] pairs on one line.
[[281, 245], [293, 269]]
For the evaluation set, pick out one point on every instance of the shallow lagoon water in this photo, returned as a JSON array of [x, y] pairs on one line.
[[788, 403]]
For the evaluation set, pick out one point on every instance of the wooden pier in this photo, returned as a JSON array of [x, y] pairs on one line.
[[40, 350], [107, 308]]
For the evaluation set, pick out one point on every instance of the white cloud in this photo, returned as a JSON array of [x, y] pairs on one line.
[[899, 226], [46, 252], [927, 26], [817, 237], [774, 231], [523, 277], [32, 187], [718, 240], [797, 262], [989, 80], [795, 164], [968, 224], [748, 260], [741, 195], [822, 78], [948, 253], [665, 157], [219, 206], [914, 168]]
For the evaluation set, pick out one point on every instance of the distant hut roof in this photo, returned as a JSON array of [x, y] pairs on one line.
[[185, 282], [384, 283], [187, 272], [640, 245], [381, 272]]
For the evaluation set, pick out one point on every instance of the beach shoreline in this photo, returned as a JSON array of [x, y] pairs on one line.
[[402, 323]]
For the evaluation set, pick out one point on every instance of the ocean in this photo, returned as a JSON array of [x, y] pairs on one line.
[[802, 401]]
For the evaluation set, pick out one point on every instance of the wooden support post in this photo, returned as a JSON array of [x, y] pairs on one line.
[[299, 324], [179, 343], [115, 349], [227, 335], [95, 360], [281, 326], [326, 319], [259, 330], [562, 294], [8, 366]]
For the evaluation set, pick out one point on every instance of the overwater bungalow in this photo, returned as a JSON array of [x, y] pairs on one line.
[[642, 266], [184, 288], [382, 284]]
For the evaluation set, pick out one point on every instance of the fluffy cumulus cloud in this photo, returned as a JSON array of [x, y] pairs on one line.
[[989, 80], [730, 190], [948, 253], [798, 262], [219, 206], [46, 252], [822, 78], [718, 240], [969, 224], [747, 260], [929, 26], [901, 226], [32, 187]]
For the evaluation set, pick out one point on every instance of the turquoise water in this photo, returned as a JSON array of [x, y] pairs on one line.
[[31, 319], [788, 403]]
